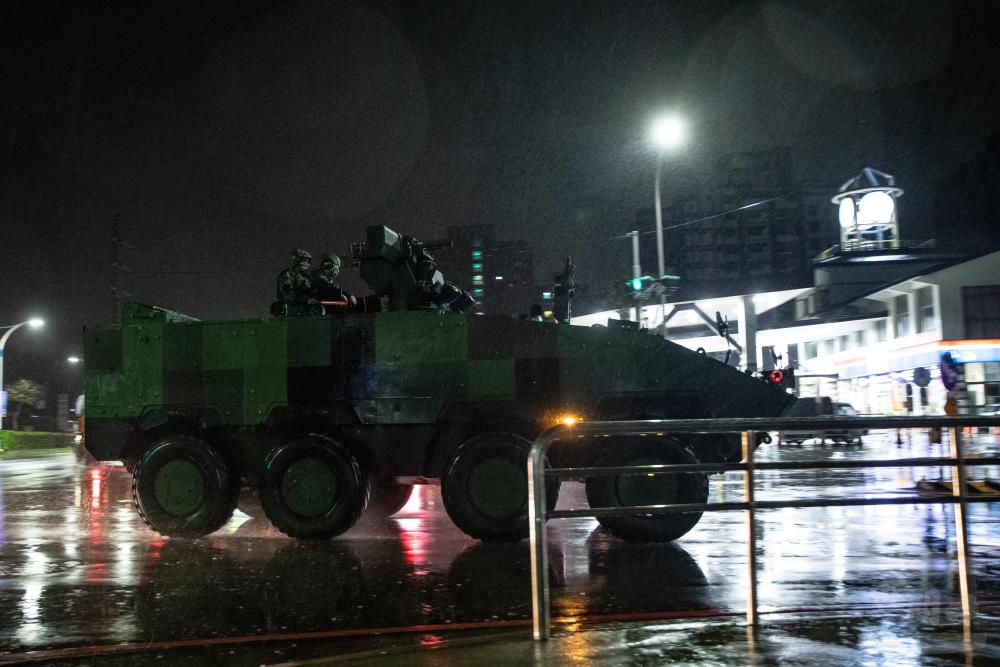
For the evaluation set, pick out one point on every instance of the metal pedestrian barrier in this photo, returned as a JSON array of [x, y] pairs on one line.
[[537, 472]]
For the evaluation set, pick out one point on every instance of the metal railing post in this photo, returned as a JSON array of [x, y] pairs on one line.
[[749, 521], [540, 611], [965, 580]]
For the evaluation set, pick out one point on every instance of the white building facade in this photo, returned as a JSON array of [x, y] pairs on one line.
[[868, 359]]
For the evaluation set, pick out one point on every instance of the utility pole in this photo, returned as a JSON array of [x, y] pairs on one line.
[[636, 267], [659, 241]]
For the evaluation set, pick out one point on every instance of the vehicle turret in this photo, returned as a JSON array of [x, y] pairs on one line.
[[403, 269]]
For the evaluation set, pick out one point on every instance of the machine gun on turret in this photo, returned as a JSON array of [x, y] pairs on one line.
[[403, 269]]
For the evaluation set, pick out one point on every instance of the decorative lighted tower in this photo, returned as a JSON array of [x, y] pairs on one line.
[[867, 211], [871, 253]]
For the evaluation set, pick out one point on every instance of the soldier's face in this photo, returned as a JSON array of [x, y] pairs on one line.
[[303, 264]]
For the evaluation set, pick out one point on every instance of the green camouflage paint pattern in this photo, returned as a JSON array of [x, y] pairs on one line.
[[406, 366]]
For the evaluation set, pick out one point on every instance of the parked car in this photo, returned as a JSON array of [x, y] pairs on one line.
[[823, 406]]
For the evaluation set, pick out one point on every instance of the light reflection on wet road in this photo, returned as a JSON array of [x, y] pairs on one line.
[[78, 567]]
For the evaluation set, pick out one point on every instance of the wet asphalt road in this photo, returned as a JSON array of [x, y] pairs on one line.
[[79, 568]]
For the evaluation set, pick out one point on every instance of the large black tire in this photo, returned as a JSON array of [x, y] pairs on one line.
[[485, 488], [386, 496], [312, 488], [625, 490], [183, 488]]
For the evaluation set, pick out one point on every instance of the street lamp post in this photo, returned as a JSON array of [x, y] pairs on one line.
[[668, 133], [661, 269], [34, 323]]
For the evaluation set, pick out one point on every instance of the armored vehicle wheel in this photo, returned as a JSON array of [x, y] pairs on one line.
[[312, 488], [625, 490], [386, 496], [182, 487], [485, 488]]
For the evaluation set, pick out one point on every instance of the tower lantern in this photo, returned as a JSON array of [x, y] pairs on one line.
[[867, 211]]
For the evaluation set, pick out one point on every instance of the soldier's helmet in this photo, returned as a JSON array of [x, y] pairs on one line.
[[300, 255], [329, 261]]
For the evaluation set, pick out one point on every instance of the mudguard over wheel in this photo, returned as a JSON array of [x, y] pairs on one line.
[[386, 496], [485, 488], [312, 488], [626, 490], [182, 487]]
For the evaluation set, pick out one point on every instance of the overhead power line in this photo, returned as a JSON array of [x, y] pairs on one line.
[[717, 215]]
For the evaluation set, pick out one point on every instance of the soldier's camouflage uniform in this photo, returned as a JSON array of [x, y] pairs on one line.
[[324, 285], [294, 286]]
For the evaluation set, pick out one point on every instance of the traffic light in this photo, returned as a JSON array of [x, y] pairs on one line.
[[665, 284], [669, 282], [640, 283]]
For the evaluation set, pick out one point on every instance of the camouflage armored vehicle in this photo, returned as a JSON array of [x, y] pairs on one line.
[[322, 415]]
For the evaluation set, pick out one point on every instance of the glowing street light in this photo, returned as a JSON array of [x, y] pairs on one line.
[[33, 323], [73, 360], [668, 133]]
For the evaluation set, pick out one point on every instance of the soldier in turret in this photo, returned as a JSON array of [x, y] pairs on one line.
[[294, 286], [323, 282]]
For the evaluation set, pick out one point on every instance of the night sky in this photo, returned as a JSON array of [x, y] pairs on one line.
[[223, 134]]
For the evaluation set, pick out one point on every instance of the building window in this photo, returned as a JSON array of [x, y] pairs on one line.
[[881, 331], [982, 311], [859, 339], [925, 309], [843, 343], [811, 350], [902, 318]]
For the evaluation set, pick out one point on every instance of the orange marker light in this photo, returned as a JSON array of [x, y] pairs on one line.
[[568, 419]]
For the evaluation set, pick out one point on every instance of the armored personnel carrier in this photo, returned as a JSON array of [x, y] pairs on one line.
[[322, 415]]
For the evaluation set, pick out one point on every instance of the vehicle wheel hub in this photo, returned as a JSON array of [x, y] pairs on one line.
[[309, 487], [179, 487], [498, 488], [646, 489]]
